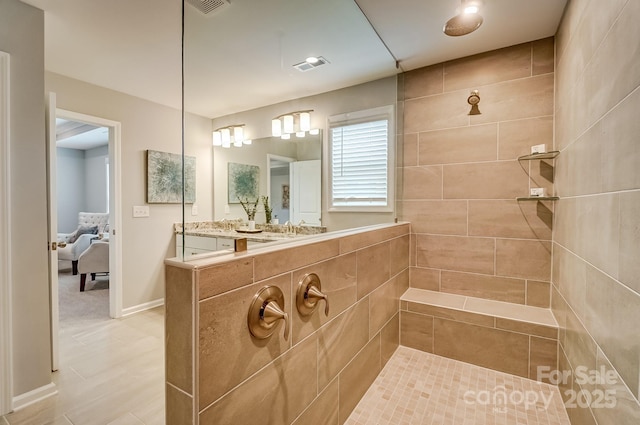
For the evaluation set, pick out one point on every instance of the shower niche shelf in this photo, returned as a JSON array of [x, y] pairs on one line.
[[533, 157], [542, 155], [538, 198]]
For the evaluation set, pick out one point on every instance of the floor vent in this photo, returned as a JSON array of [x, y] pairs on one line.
[[208, 7]]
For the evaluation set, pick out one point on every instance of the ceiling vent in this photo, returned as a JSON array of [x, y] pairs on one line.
[[208, 7], [306, 66]]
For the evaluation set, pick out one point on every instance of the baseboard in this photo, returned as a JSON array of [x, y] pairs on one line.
[[23, 400], [142, 307]]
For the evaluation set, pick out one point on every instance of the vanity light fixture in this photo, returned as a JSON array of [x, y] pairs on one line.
[[232, 134], [298, 123], [217, 138], [287, 124]]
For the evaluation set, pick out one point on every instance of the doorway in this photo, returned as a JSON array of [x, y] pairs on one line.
[[108, 167], [82, 186], [278, 186]]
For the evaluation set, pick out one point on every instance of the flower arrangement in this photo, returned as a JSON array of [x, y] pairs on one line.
[[267, 209], [250, 208]]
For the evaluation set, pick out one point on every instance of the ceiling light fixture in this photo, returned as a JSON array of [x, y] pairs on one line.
[[310, 63], [232, 134], [298, 123], [466, 21]]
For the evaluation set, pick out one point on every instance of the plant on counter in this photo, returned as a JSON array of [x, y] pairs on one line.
[[249, 207], [267, 209]]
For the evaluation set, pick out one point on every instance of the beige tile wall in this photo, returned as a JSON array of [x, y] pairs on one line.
[[460, 174], [319, 374], [596, 240]]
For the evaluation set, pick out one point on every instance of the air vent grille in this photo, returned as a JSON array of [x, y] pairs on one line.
[[306, 66], [207, 7]]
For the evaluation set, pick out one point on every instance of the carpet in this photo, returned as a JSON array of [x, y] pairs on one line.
[[77, 307]]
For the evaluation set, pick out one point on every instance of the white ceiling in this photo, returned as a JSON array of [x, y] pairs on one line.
[[241, 57], [78, 135]]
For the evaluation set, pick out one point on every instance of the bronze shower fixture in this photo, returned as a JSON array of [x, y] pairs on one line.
[[473, 100]]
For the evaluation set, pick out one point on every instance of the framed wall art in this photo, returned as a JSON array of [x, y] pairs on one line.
[[164, 178], [243, 182]]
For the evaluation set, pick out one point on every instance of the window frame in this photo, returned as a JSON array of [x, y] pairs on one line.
[[368, 115]]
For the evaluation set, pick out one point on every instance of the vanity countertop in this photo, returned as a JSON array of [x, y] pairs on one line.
[[265, 232], [232, 234]]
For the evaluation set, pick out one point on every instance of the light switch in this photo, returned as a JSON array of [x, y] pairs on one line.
[[226, 209], [194, 209], [141, 211]]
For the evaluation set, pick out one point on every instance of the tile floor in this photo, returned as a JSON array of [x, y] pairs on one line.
[[421, 388], [111, 373]]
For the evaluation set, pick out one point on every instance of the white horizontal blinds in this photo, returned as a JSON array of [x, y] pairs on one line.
[[359, 154]]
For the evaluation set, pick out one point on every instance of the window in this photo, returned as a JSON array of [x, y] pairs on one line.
[[361, 160]]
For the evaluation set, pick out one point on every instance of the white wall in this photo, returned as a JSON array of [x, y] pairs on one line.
[[22, 36], [146, 242], [70, 185], [364, 96], [95, 175], [81, 184]]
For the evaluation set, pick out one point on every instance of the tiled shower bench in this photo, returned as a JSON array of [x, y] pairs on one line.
[[502, 336]]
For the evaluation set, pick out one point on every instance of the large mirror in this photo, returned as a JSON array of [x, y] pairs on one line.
[[288, 173], [245, 64]]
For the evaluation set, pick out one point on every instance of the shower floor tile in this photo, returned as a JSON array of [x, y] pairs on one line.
[[424, 389]]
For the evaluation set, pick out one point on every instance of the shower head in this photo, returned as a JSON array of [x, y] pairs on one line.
[[466, 21], [473, 100]]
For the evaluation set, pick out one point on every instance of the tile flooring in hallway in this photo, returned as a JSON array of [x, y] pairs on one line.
[[424, 389], [111, 372]]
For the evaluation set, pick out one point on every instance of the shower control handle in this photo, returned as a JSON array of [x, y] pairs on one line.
[[271, 313], [314, 293], [309, 293], [265, 312]]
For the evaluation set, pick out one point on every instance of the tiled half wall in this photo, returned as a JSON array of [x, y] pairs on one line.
[[217, 373]]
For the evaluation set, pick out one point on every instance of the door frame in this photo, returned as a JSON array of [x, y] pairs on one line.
[[271, 156], [115, 211], [6, 359]]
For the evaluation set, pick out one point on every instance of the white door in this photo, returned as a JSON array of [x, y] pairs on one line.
[[6, 371], [53, 224], [306, 186]]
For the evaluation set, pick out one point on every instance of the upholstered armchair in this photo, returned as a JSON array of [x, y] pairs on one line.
[[72, 245], [94, 260]]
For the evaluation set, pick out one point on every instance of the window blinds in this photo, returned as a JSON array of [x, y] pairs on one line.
[[359, 160]]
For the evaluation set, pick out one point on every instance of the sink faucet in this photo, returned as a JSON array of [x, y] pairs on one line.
[[289, 226]]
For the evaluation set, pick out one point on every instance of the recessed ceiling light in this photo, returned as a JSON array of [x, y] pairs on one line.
[[312, 59]]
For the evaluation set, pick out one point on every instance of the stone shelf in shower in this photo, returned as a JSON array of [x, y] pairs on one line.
[[538, 198], [542, 155]]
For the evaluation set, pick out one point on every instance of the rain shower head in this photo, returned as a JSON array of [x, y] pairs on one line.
[[466, 21]]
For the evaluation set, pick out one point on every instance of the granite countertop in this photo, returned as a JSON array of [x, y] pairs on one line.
[[233, 234], [232, 229]]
